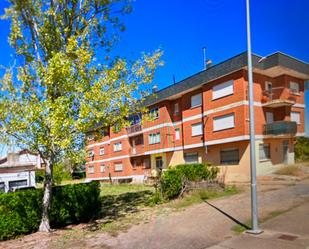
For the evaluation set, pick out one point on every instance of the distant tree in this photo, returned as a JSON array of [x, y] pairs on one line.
[[65, 80]]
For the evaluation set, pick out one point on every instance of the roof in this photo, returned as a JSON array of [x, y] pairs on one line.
[[274, 65]]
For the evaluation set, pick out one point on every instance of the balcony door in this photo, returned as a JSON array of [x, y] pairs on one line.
[[285, 147], [269, 117]]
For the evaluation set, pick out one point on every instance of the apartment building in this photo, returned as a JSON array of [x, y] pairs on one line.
[[205, 118]]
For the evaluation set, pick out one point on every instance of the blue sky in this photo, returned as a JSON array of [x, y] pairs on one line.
[[181, 28]]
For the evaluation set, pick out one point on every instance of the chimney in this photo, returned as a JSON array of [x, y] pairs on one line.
[[154, 89], [208, 63]]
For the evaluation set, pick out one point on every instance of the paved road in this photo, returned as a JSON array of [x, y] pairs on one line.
[[199, 226]]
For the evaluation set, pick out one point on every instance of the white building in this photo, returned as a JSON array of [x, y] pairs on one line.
[[17, 169]]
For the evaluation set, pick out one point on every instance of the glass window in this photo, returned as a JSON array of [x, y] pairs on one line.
[[264, 152], [229, 156], [102, 168], [154, 138], [159, 162], [177, 134], [118, 166], [102, 151], [196, 100], [176, 108], [197, 129], [118, 146], [191, 157], [223, 122], [90, 153], [154, 113], [223, 89], [147, 163], [295, 116], [294, 87], [90, 169]]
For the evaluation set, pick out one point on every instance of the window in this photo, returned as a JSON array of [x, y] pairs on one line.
[[222, 90], [154, 113], [177, 134], [295, 116], [159, 162], [118, 166], [191, 157], [224, 122], [90, 153], [135, 119], [269, 117], [264, 150], [268, 86], [154, 138], [90, 169], [118, 146], [196, 100], [102, 151], [294, 87], [16, 184], [197, 129], [102, 168], [176, 109], [147, 163], [229, 156], [2, 187]]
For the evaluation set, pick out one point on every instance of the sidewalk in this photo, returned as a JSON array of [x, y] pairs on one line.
[[289, 230]]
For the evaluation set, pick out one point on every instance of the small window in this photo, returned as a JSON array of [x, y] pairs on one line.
[[222, 90], [102, 168], [102, 151], [196, 100], [118, 166], [90, 169], [177, 134], [197, 129], [147, 163], [154, 113], [118, 146], [159, 162], [176, 109], [191, 157], [90, 153], [18, 183], [294, 87], [269, 117], [224, 122], [229, 156], [154, 138], [268, 86], [295, 116], [264, 152]]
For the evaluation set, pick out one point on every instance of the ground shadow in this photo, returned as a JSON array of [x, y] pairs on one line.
[[227, 215], [114, 207]]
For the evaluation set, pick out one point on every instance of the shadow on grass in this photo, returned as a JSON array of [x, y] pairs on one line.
[[244, 226], [117, 206]]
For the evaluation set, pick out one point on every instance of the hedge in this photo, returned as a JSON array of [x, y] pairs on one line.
[[172, 179], [20, 212]]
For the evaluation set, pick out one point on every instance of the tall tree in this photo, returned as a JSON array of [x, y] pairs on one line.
[[65, 81]]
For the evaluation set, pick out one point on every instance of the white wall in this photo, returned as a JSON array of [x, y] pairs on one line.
[[8, 177]]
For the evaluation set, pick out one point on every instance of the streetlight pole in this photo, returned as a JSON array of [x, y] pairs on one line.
[[254, 210]]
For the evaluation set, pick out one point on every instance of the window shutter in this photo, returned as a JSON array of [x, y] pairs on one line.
[[224, 122], [177, 134], [197, 129], [224, 89]]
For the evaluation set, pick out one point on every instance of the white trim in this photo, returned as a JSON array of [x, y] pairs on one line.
[[296, 105], [108, 159], [163, 150], [226, 107], [190, 146], [227, 140], [108, 141], [192, 118], [299, 134]]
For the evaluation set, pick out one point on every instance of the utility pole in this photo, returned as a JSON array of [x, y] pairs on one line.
[[254, 210], [204, 58]]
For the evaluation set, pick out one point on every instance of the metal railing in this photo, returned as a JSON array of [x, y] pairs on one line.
[[280, 128], [134, 128]]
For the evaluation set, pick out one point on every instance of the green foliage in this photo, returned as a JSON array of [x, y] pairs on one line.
[[39, 176], [173, 179], [20, 212], [302, 149], [60, 174]]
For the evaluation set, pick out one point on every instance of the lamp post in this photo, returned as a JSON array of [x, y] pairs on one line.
[[254, 210]]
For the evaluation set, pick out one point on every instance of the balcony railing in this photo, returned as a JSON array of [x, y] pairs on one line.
[[134, 128], [277, 97], [281, 128]]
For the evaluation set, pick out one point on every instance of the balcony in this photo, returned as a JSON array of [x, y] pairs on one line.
[[134, 128], [280, 128], [278, 97]]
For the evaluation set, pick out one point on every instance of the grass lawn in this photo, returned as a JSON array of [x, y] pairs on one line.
[[118, 189]]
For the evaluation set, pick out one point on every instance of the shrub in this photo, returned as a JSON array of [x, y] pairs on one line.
[[302, 149], [20, 212], [173, 179]]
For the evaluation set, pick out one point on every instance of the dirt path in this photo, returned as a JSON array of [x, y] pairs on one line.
[[199, 226]]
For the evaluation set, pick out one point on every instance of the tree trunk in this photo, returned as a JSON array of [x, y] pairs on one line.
[[44, 226]]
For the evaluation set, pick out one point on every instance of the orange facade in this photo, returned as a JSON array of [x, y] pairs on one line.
[[218, 119]]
